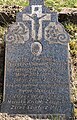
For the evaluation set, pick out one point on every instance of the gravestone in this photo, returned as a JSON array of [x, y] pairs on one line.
[[36, 80]]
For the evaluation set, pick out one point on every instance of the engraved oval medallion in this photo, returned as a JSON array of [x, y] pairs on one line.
[[36, 48]]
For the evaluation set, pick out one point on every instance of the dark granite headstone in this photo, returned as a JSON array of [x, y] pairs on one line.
[[36, 64]]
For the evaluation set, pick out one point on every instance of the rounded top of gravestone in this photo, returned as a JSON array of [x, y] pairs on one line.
[[36, 2]]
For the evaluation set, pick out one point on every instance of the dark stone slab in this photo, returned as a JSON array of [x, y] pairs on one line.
[[37, 65]]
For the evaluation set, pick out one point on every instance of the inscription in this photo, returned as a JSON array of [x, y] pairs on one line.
[[26, 82], [31, 80], [17, 107]]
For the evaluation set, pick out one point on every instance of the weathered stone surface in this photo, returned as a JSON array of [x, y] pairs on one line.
[[69, 10], [36, 64], [68, 15]]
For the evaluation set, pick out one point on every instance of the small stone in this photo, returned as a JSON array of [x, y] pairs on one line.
[[76, 35]]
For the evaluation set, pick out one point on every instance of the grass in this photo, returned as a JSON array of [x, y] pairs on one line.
[[2, 32], [75, 111], [49, 3], [14, 2], [72, 30], [57, 4]]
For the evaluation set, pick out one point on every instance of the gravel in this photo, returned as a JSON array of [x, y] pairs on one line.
[[5, 116]]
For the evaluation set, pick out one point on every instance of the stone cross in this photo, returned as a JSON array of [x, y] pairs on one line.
[[37, 16]]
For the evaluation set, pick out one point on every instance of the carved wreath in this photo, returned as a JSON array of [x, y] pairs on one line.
[[55, 33], [17, 33]]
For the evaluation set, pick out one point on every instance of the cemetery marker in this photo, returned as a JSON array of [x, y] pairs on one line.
[[37, 77]]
